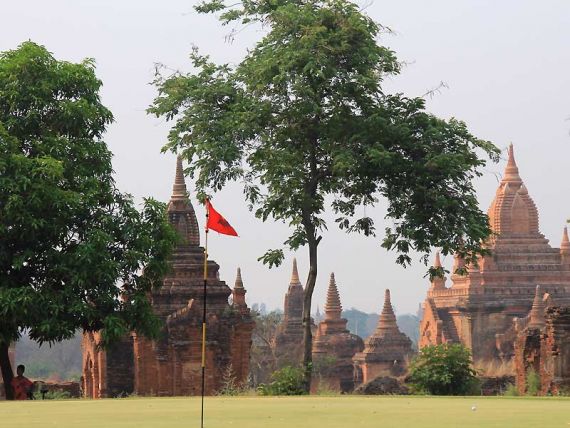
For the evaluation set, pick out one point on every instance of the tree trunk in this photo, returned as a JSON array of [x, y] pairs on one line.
[[6, 369], [308, 335]]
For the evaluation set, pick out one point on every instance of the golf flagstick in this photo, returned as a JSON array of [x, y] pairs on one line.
[[205, 293], [216, 222]]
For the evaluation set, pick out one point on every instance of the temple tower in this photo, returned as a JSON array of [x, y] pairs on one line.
[[171, 365], [478, 308], [334, 346], [386, 351], [289, 336]]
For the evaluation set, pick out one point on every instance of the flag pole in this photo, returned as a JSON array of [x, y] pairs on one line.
[[205, 293]]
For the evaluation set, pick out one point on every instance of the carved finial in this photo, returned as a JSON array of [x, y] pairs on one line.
[[333, 308], [512, 170], [295, 274], [565, 245], [537, 319], [387, 322], [239, 281], [179, 191], [438, 282], [437, 261]]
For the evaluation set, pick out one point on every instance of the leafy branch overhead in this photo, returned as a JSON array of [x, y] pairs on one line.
[[303, 120], [75, 252]]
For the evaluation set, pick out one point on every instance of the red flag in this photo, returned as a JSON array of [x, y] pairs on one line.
[[217, 222]]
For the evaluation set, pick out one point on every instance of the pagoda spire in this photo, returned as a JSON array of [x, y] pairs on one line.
[[295, 275], [333, 308], [437, 261], [438, 282], [537, 319], [565, 245], [179, 191], [512, 171], [238, 293], [387, 323], [239, 281]]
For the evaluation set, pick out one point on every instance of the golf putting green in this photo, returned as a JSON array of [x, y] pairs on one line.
[[291, 412]]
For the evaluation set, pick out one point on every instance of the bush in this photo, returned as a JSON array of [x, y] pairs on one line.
[[532, 382], [443, 370], [286, 381], [230, 385], [512, 390]]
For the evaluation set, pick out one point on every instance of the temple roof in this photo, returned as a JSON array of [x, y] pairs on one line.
[[333, 308], [565, 245], [438, 282], [513, 212], [387, 322], [239, 281], [295, 282], [180, 210], [537, 319]]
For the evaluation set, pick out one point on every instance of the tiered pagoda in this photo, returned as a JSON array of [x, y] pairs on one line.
[[334, 346], [172, 365], [386, 351], [289, 335], [477, 309]]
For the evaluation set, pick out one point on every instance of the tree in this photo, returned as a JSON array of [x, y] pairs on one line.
[[444, 369], [263, 360], [68, 236], [304, 123]]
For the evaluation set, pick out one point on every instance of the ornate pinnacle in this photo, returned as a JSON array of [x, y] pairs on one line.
[[179, 191], [333, 308], [437, 261], [565, 245], [387, 322], [512, 170], [537, 319], [239, 281], [295, 275]]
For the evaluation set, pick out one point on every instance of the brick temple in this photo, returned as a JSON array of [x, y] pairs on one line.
[[478, 308], [172, 365], [289, 335], [334, 346], [542, 345], [386, 351]]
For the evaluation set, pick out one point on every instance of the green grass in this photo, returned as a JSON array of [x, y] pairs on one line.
[[291, 412]]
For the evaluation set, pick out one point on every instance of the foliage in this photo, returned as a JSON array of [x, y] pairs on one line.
[[286, 381], [512, 390], [304, 123], [532, 382], [443, 370], [69, 237], [230, 386], [52, 395], [263, 358]]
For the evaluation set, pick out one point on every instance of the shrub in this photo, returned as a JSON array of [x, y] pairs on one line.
[[443, 370], [512, 390], [532, 382], [230, 385], [286, 381]]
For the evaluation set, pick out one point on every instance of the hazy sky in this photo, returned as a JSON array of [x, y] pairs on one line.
[[507, 65]]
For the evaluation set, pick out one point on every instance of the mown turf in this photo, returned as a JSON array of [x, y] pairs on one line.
[[291, 412]]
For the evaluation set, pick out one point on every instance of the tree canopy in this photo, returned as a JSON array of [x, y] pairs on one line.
[[75, 253], [304, 123]]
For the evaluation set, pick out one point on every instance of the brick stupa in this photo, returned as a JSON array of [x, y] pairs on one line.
[[386, 351], [172, 365], [289, 335], [334, 346], [478, 308]]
